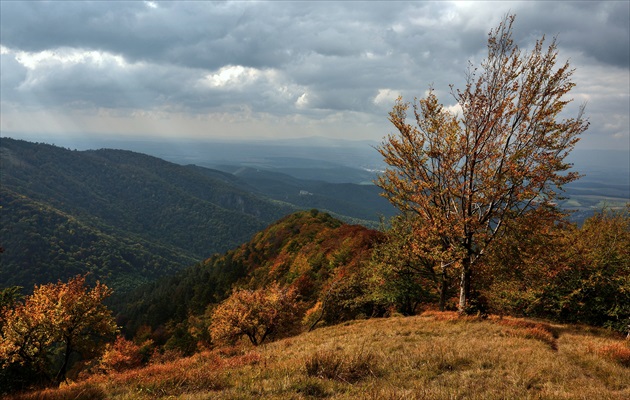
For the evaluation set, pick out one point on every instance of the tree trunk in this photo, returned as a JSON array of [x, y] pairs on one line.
[[443, 286], [61, 376], [464, 285]]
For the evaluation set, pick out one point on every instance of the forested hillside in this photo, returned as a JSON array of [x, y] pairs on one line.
[[45, 244], [128, 218], [121, 215], [308, 250]]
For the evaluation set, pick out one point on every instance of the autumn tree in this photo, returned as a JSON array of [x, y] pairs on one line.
[[503, 157], [61, 318], [25, 337], [256, 314]]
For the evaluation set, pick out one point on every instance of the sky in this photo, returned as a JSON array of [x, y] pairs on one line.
[[282, 69]]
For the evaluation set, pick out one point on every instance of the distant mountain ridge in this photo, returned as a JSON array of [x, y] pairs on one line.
[[349, 199]]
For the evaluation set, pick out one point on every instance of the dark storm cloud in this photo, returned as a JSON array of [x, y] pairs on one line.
[[200, 34], [281, 58], [600, 30]]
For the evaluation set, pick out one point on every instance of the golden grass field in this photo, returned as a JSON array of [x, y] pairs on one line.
[[431, 356]]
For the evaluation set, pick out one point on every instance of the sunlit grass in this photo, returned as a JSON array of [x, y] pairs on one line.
[[431, 356]]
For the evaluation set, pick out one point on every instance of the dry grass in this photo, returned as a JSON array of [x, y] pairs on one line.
[[432, 356], [542, 331], [331, 364], [617, 352]]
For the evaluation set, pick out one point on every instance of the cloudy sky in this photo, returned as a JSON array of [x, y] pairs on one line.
[[255, 69]]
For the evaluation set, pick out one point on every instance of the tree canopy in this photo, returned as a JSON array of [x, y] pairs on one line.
[[465, 175], [39, 335]]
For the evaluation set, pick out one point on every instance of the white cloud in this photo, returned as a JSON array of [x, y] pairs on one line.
[[386, 97], [455, 109], [232, 76], [67, 56], [302, 101]]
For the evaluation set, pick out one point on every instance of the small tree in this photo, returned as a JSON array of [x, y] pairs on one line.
[[594, 288], [65, 316], [405, 268], [25, 338], [465, 177], [562, 271], [257, 314]]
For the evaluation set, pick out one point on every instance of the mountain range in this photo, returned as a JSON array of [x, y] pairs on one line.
[[128, 218]]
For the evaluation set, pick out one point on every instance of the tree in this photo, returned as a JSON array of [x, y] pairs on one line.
[[64, 317], [504, 157], [257, 314], [594, 286], [562, 271], [25, 337], [405, 268], [519, 274]]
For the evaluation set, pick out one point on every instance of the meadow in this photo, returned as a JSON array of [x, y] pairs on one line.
[[436, 355]]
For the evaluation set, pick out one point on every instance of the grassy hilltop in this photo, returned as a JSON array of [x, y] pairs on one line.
[[430, 356]]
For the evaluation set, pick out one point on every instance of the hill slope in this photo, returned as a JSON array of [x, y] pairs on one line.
[[432, 356], [309, 249], [175, 212], [45, 245]]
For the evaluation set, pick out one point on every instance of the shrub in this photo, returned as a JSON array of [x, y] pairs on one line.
[[256, 314], [120, 355]]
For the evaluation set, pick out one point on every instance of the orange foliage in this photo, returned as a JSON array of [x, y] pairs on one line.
[[466, 176], [256, 314], [121, 355], [68, 315]]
